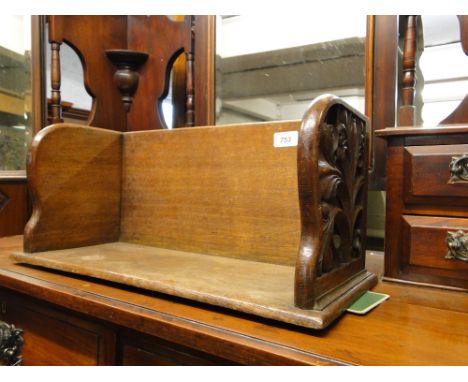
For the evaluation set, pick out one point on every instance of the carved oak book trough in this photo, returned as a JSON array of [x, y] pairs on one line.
[[238, 216]]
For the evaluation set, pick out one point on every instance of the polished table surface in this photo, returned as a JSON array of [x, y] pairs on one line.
[[417, 326]]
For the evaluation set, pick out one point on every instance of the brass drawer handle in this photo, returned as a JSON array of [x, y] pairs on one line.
[[459, 169], [11, 343], [457, 245]]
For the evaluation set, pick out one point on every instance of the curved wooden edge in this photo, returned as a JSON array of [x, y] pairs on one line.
[[309, 201], [62, 151], [33, 221], [317, 235], [459, 115]]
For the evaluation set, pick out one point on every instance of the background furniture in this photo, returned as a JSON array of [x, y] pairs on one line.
[[424, 207], [426, 235]]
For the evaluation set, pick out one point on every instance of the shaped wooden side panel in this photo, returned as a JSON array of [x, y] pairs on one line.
[[74, 176]]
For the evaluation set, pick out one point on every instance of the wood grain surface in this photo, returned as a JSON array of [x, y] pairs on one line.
[[221, 191], [247, 286]]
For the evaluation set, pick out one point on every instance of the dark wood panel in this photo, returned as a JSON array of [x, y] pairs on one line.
[[149, 34], [384, 87], [204, 69], [394, 205], [90, 36], [54, 338], [140, 350], [14, 211]]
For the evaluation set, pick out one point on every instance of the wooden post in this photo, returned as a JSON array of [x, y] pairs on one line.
[[407, 108], [55, 107], [190, 91]]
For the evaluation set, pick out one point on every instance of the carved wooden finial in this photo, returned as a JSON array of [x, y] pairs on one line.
[[126, 76]]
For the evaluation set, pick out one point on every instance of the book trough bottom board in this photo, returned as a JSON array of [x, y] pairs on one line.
[[252, 287]]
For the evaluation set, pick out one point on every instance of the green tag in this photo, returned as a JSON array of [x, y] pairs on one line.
[[366, 302]]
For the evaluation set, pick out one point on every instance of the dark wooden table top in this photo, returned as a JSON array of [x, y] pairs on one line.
[[416, 326]]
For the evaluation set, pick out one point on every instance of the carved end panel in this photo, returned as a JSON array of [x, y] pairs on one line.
[[332, 163], [343, 174]]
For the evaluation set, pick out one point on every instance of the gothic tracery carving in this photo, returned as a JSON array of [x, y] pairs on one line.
[[342, 177]]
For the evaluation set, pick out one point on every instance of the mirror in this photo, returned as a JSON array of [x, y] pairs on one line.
[[173, 101], [15, 92], [271, 68], [444, 68]]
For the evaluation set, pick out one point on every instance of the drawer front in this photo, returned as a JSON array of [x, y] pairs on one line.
[[437, 249], [436, 171], [56, 338]]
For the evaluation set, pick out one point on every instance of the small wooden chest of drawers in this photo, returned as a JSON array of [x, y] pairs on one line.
[[426, 233]]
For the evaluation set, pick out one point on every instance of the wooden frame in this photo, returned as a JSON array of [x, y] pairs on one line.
[[39, 104], [426, 213], [205, 32], [205, 224], [380, 92]]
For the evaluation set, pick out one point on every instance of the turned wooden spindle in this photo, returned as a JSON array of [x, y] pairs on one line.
[[189, 89], [407, 108], [55, 107], [189, 105]]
